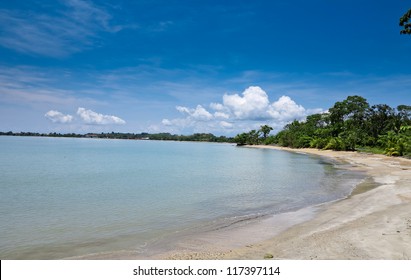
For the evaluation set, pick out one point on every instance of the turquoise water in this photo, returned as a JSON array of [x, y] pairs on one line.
[[64, 197]]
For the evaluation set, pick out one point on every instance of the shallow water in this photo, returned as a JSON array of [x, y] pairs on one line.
[[65, 197]]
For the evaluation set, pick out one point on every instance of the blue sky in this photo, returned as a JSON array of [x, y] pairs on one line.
[[194, 66]]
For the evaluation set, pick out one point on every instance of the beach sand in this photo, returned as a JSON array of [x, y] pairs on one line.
[[372, 224]]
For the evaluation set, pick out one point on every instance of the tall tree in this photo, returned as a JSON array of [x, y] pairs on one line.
[[380, 120], [265, 130], [242, 139], [348, 114], [404, 113], [254, 137]]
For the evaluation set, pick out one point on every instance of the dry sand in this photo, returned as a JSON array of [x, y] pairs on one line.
[[370, 225]]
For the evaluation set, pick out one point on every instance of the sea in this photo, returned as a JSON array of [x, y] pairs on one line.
[[73, 197]]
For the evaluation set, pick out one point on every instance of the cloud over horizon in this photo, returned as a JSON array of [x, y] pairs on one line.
[[249, 109], [58, 117], [91, 117], [86, 116], [250, 105]]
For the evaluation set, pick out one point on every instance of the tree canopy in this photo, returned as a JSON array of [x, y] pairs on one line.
[[405, 23], [254, 137], [351, 124]]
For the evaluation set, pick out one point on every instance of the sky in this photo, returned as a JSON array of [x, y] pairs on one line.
[[184, 67]]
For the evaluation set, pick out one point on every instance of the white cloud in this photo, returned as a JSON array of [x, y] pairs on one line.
[[167, 122], [247, 110], [181, 123], [199, 113], [316, 111], [91, 117], [252, 104], [221, 115], [198, 118], [225, 124], [58, 117], [217, 106], [86, 116], [285, 109], [182, 109]]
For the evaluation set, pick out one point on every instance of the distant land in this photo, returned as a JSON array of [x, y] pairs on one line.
[[199, 137]]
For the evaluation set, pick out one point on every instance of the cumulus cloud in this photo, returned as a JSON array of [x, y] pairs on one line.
[[199, 113], [91, 117], [250, 109], [178, 122], [217, 106], [192, 117], [285, 109], [86, 116], [252, 103], [225, 124], [167, 122], [221, 115], [58, 117]]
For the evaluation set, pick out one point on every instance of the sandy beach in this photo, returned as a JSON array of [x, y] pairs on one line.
[[370, 224]]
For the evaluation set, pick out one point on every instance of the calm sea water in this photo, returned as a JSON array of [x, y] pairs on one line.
[[70, 197]]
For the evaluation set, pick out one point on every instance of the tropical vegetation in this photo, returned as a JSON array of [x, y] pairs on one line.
[[349, 125]]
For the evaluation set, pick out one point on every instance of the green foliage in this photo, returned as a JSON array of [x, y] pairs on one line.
[[372, 150], [348, 125], [255, 137], [270, 140], [319, 143], [304, 141], [265, 130], [404, 22], [348, 115], [380, 120], [335, 143], [404, 115], [396, 144], [350, 139], [242, 139]]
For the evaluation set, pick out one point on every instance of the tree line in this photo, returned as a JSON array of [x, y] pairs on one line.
[[198, 137], [352, 124], [254, 137]]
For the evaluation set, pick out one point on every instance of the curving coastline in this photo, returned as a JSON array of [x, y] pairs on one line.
[[375, 224]]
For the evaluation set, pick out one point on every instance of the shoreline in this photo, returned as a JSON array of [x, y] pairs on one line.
[[374, 222]]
